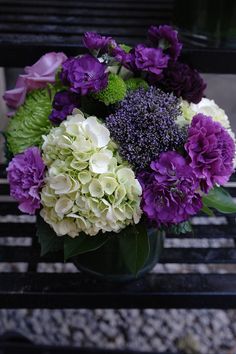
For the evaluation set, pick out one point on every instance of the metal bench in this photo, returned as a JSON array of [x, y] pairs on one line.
[[32, 289]]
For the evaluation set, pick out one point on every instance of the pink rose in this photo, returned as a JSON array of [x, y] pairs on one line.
[[36, 76]]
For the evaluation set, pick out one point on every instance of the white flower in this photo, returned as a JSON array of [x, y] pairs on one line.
[[88, 186]]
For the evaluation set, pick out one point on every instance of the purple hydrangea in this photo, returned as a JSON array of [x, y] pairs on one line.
[[170, 190], [166, 38], [84, 75], [150, 59], [63, 104], [144, 126], [211, 151], [25, 176], [183, 81], [95, 42]]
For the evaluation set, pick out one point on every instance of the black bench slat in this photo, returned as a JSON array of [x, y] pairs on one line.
[[199, 231], [193, 255], [78, 291], [89, 5]]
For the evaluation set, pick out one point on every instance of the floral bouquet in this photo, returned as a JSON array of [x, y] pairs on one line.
[[113, 148]]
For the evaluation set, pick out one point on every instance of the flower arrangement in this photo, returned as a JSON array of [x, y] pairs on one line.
[[114, 143]]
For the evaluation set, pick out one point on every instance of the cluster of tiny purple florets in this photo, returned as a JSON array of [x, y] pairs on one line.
[[144, 126]]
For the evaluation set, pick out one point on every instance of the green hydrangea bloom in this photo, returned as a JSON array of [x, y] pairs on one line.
[[88, 187], [114, 92], [135, 83], [31, 121]]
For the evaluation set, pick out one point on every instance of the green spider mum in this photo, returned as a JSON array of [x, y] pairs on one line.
[[136, 83], [30, 121], [114, 92]]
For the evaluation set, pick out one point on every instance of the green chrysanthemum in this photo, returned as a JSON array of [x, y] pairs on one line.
[[114, 92], [30, 121], [136, 83]]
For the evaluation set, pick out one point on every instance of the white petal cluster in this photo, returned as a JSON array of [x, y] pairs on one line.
[[87, 188], [206, 107]]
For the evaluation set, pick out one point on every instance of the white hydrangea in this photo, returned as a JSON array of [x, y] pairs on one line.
[[88, 187], [205, 106]]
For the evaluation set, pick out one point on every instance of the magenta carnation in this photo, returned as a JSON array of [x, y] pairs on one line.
[[95, 42], [211, 151], [170, 190], [167, 38], [84, 75], [25, 176], [150, 59]]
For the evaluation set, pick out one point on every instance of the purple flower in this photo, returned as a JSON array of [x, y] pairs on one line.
[[170, 190], [25, 176], [150, 59], [166, 38], [94, 41], [35, 76], [144, 126], [211, 151], [63, 104], [183, 81], [84, 75]]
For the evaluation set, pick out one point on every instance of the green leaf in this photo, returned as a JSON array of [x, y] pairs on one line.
[[48, 239], [219, 199], [182, 228], [134, 246], [207, 211], [82, 244]]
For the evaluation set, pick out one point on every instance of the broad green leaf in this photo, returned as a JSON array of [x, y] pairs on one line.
[[134, 246], [82, 244], [219, 199], [48, 239], [207, 210]]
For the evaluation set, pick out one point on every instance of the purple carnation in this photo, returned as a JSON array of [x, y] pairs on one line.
[[170, 190], [63, 104], [183, 81], [150, 59], [95, 42], [166, 38], [25, 176], [84, 75], [211, 151]]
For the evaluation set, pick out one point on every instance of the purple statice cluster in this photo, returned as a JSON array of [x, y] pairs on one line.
[[144, 126], [170, 190]]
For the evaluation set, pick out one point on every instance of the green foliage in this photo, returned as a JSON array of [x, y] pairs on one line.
[[126, 48], [83, 244], [134, 246], [48, 240], [218, 198], [30, 121], [182, 228], [135, 83], [114, 92]]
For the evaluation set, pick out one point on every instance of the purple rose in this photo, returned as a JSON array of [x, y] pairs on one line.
[[183, 81], [34, 77], [63, 104], [84, 75], [166, 38], [25, 176], [170, 190], [95, 42], [150, 59], [211, 151]]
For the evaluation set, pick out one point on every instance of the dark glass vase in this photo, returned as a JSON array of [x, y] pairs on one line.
[[108, 264], [207, 23]]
